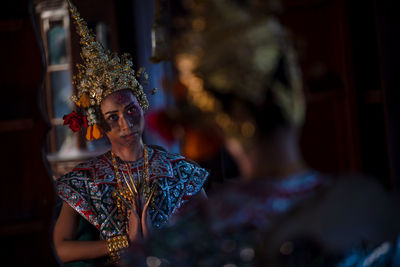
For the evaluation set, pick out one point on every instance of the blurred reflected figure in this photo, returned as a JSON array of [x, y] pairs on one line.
[[241, 74]]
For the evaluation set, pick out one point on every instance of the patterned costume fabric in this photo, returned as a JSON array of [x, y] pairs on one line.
[[88, 188], [291, 221], [259, 201], [227, 229], [386, 254]]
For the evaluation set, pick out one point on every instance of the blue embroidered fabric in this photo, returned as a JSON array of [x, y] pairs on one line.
[[386, 254], [88, 188]]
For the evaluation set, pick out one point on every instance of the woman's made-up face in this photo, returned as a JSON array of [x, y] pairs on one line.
[[124, 117]]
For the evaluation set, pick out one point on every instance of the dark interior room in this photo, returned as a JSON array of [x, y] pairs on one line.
[[347, 52]]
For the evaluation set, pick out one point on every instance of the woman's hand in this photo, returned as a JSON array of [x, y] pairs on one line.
[[135, 228], [147, 226]]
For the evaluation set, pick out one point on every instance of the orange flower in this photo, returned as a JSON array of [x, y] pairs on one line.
[[84, 101], [93, 132]]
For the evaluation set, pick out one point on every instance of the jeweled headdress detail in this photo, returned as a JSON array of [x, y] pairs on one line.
[[239, 50], [100, 74]]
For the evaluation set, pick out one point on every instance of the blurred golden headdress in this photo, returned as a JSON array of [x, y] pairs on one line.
[[101, 74], [237, 49]]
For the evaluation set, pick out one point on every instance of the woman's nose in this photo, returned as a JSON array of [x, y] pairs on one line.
[[124, 123]]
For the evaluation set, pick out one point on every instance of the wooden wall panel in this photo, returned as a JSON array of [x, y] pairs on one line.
[[27, 192]]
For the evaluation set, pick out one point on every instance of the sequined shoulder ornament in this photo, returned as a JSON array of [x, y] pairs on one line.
[[89, 186]]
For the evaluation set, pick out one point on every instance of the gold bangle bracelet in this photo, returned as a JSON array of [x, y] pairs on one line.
[[115, 245]]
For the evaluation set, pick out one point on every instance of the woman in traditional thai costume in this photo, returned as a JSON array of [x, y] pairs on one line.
[[238, 60], [133, 189]]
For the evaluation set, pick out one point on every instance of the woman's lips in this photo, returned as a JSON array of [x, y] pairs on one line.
[[130, 135]]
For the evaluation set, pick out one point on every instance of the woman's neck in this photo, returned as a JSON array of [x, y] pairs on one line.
[[129, 153], [275, 156]]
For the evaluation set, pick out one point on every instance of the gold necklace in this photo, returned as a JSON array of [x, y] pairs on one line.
[[128, 191]]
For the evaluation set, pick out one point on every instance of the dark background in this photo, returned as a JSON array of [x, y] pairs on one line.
[[349, 54]]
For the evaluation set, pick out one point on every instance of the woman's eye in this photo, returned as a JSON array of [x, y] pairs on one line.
[[113, 118], [132, 110]]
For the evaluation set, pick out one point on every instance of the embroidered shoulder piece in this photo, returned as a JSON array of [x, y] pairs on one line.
[[88, 190], [176, 180], [73, 189]]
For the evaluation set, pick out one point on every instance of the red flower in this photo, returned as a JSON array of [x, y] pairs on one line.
[[75, 121]]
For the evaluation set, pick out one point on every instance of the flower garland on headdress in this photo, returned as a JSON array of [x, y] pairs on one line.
[[101, 74]]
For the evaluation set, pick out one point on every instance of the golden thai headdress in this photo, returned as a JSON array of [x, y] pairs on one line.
[[237, 49], [100, 74]]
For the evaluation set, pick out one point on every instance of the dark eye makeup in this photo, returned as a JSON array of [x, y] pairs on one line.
[[112, 117], [132, 110]]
